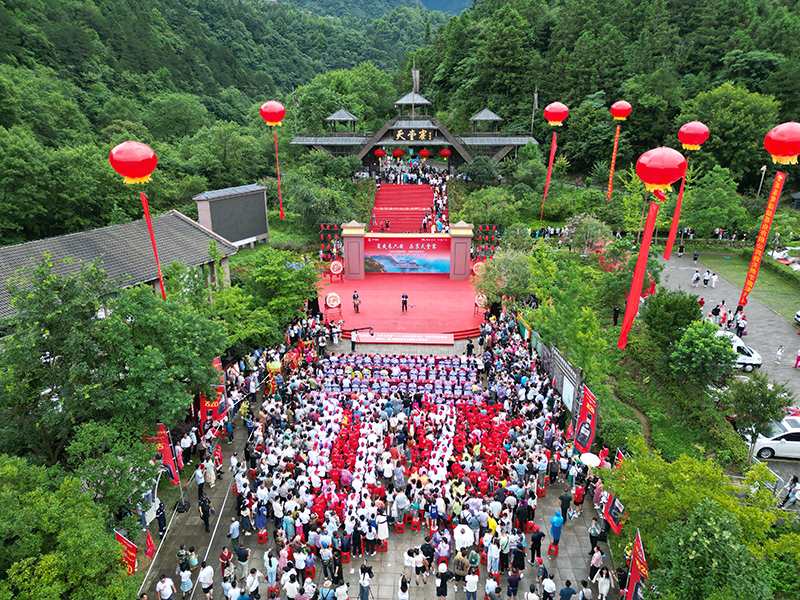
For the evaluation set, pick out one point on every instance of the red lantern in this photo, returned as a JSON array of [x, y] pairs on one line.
[[134, 161], [424, 153], [397, 153], [322, 237], [555, 113], [620, 110], [659, 168], [692, 135], [273, 112], [445, 152], [494, 227], [380, 153], [783, 143]]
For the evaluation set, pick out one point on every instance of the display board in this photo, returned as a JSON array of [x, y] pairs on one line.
[[405, 253]]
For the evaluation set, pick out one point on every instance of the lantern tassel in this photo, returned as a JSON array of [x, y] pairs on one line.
[[553, 147], [278, 169], [613, 160], [134, 180], [784, 160], [673, 228], [149, 222]]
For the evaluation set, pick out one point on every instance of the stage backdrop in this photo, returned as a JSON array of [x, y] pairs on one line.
[[407, 253]]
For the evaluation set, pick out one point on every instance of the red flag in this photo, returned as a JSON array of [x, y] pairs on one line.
[[167, 454], [632, 306], [763, 233], [150, 548], [570, 431], [619, 458], [129, 552], [553, 147], [613, 163], [584, 434], [638, 571]]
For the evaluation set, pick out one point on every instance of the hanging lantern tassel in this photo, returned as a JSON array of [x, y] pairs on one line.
[[278, 169], [553, 146]]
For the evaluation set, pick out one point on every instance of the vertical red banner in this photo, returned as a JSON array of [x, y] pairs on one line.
[[673, 228], [638, 571], [149, 221], [632, 306], [613, 164], [167, 455], [763, 234], [216, 409], [129, 550], [278, 170], [150, 547], [553, 147], [587, 422], [613, 513]]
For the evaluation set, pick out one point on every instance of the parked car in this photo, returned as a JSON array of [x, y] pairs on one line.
[[747, 359], [783, 441]]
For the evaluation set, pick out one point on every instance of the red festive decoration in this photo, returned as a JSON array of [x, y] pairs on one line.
[[397, 153], [659, 168], [445, 152], [380, 153], [692, 135], [134, 161], [556, 113], [273, 112], [783, 143], [620, 110], [424, 153]]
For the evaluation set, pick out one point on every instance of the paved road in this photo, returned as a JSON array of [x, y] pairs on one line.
[[766, 329]]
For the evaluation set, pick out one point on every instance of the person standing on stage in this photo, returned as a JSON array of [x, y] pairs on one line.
[[404, 303], [356, 301]]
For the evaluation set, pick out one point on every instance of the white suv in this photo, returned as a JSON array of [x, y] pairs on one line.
[[782, 441]]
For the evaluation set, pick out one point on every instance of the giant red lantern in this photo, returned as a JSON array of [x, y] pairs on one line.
[[658, 169], [555, 113], [783, 143], [445, 152], [380, 153], [397, 153], [620, 111], [424, 153], [691, 135], [136, 162], [273, 113]]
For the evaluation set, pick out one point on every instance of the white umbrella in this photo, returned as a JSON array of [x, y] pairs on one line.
[[590, 459]]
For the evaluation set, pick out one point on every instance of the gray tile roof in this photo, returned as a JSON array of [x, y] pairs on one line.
[[498, 140], [227, 192], [310, 140], [125, 250], [412, 98], [342, 115], [425, 124], [486, 115]]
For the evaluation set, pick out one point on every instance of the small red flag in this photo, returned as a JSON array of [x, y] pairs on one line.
[[150, 548]]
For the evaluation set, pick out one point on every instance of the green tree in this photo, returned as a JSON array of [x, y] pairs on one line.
[[174, 116], [516, 275], [738, 120], [489, 205], [668, 314], [481, 171], [702, 354], [757, 403], [55, 540], [586, 231], [712, 203]]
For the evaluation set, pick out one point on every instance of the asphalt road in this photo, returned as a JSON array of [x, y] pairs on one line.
[[766, 329]]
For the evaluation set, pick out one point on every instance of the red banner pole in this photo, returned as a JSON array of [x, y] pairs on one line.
[[763, 234], [613, 163], [146, 208], [553, 146], [278, 169], [632, 306], [673, 228]]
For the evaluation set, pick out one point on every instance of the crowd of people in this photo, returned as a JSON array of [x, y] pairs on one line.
[[343, 450]]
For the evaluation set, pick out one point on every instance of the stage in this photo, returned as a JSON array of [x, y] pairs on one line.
[[436, 305]]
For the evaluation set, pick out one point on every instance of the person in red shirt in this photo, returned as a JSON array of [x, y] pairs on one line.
[[578, 498]]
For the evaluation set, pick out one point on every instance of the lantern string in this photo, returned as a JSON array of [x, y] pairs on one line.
[[278, 169]]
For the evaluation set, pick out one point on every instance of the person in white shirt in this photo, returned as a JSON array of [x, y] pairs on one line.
[[165, 588], [252, 581], [206, 580]]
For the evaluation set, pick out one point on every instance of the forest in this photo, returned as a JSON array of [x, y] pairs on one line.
[[187, 77]]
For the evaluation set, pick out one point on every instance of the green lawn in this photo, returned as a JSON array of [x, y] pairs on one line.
[[778, 294]]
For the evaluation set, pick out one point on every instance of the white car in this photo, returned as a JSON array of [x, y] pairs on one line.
[[783, 441], [747, 359]]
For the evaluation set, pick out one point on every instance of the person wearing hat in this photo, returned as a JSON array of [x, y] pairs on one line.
[[327, 592], [442, 577]]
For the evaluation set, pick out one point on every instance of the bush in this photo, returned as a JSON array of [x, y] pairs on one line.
[[615, 431]]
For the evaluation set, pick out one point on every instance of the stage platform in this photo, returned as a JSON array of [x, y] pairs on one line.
[[436, 305]]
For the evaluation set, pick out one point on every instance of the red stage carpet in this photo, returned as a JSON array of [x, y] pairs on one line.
[[439, 304], [403, 206]]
